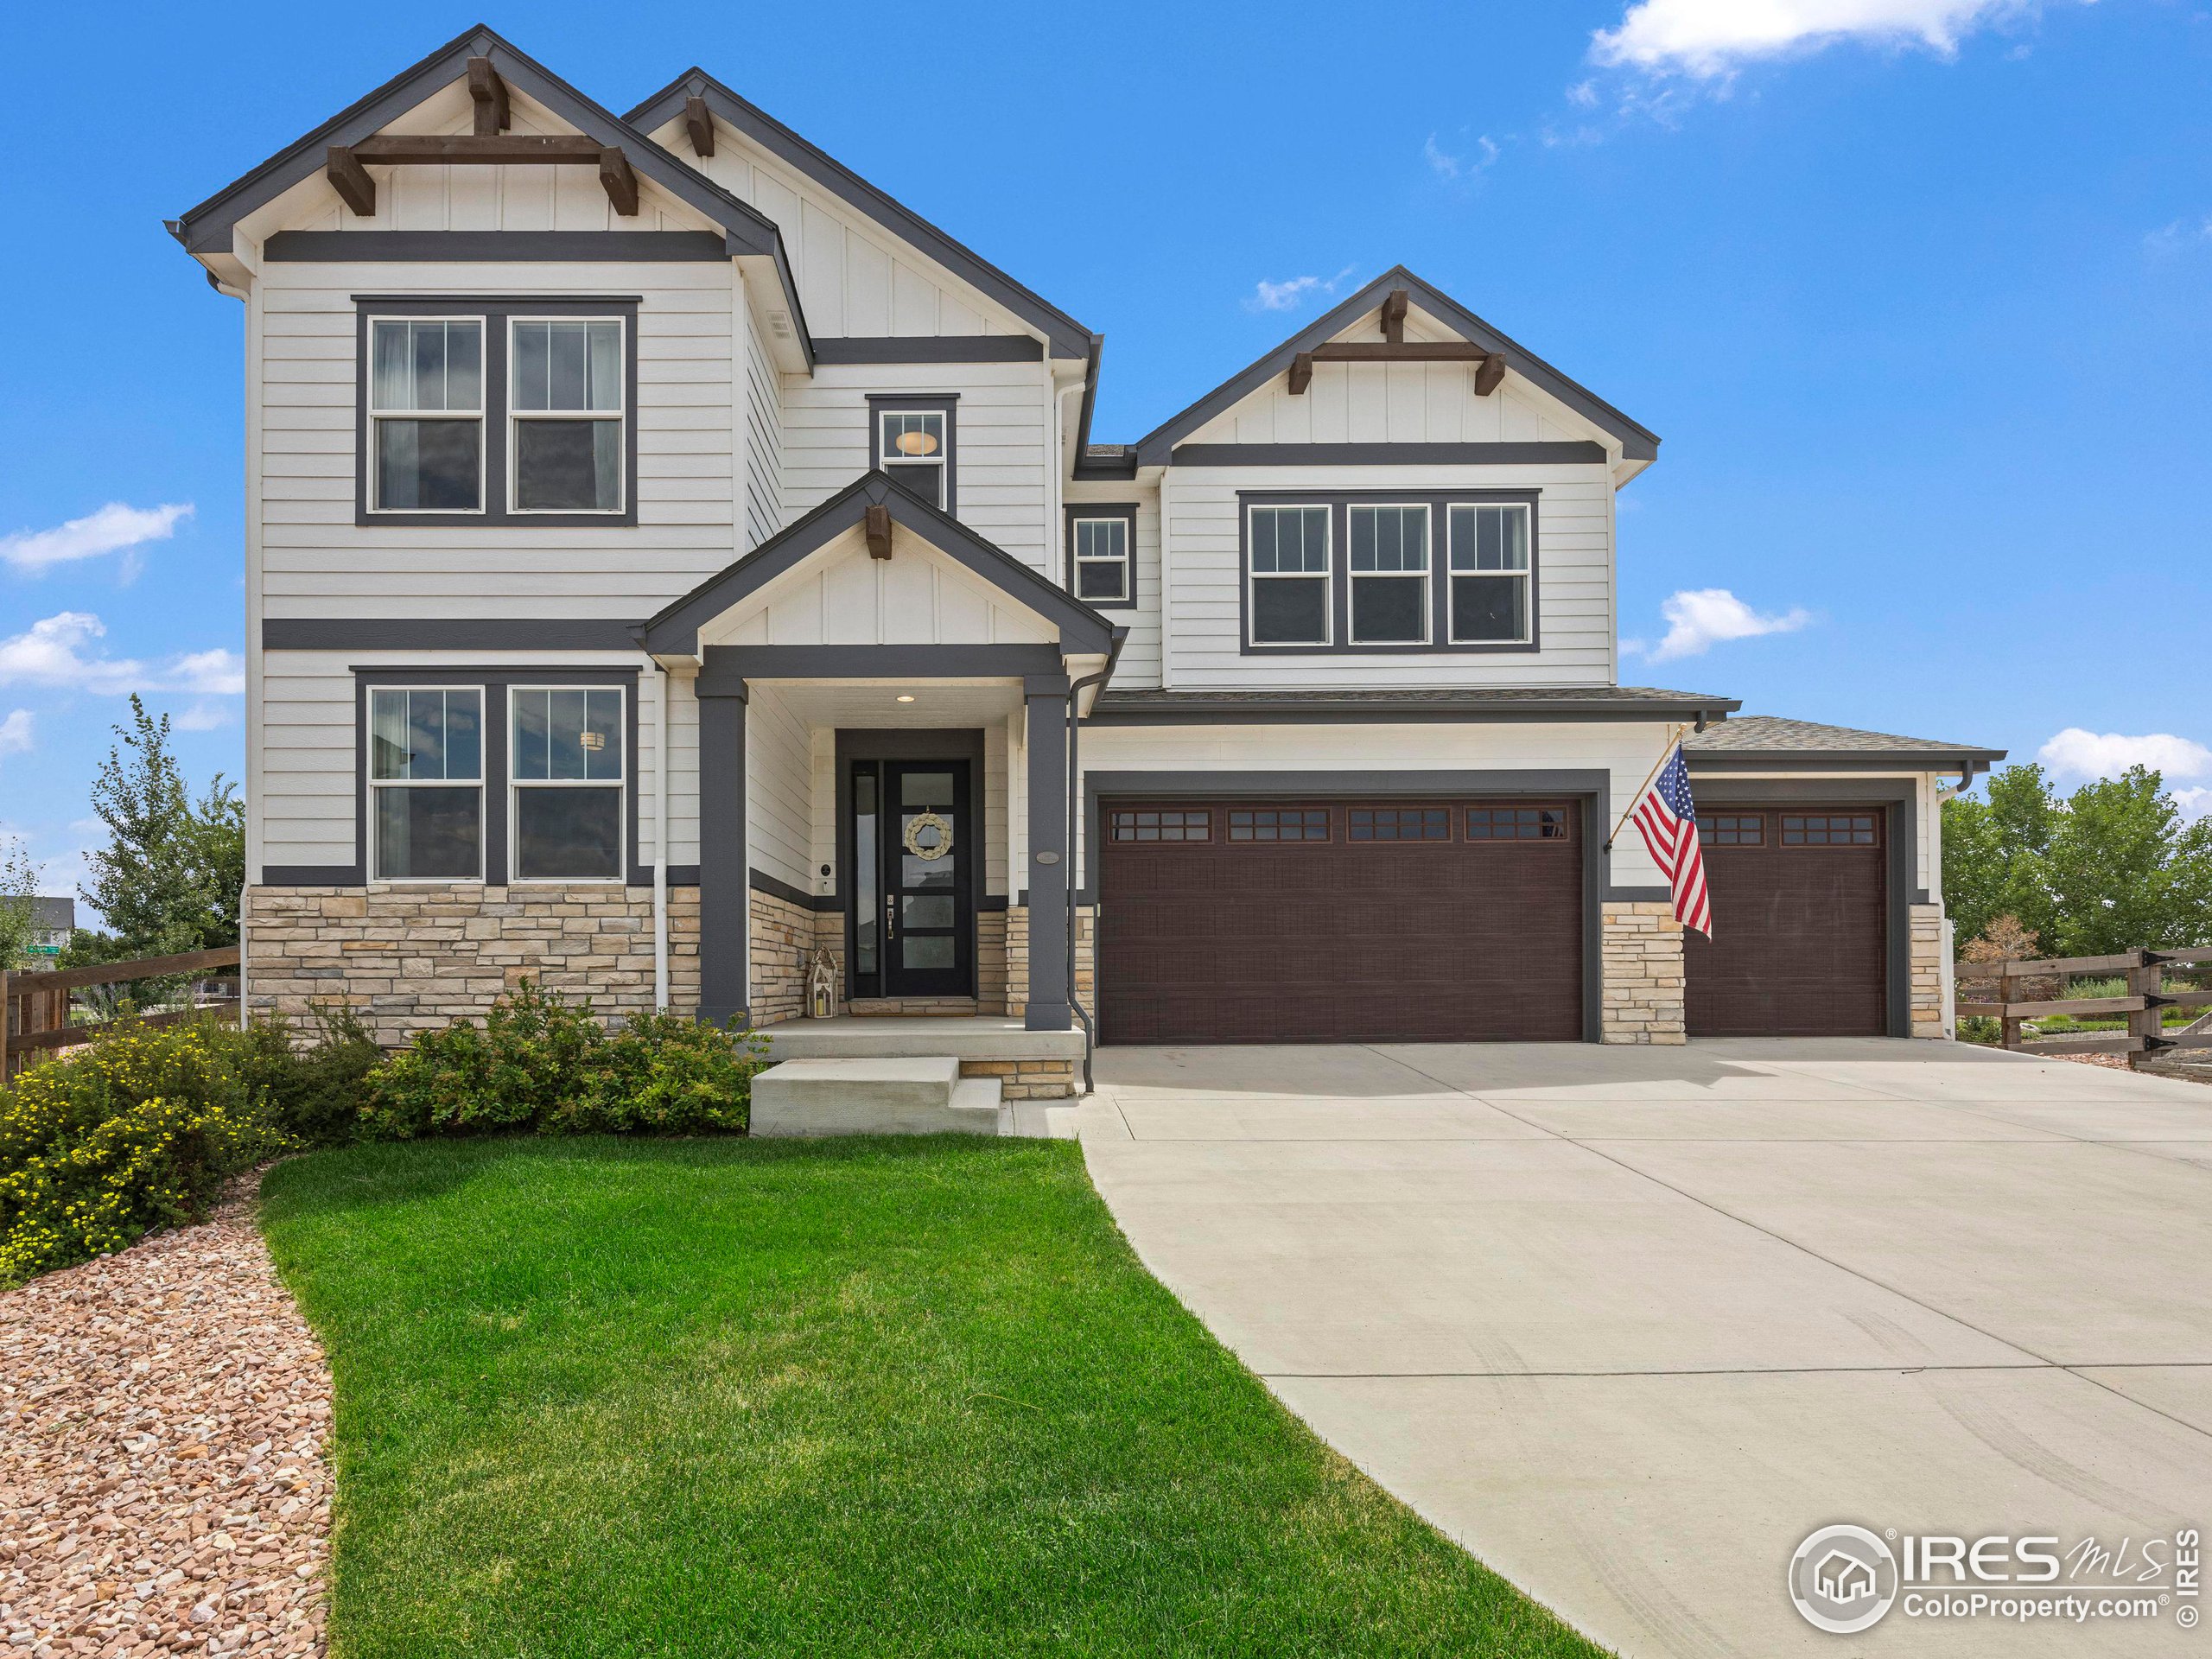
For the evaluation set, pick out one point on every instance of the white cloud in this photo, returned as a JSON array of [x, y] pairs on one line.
[[52, 652], [1453, 170], [1709, 39], [2092, 754], [2194, 802], [1701, 618], [201, 717], [1289, 295], [111, 529], [16, 733], [2170, 239]]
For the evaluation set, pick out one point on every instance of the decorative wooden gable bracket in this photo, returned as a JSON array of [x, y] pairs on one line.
[[489, 145], [699, 126], [878, 521], [1394, 347]]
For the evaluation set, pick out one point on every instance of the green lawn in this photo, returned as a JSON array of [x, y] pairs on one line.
[[693, 1398]]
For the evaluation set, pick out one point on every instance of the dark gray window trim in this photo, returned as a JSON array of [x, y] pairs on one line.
[[1069, 338], [496, 310], [910, 743], [1389, 712], [946, 403], [1125, 511], [1637, 442], [445, 633], [928, 348], [485, 247], [1339, 504], [494, 682], [1386, 454], [1900, 799], [675, 631], [1591, 788]]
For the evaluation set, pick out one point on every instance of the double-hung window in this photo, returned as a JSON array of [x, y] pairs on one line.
[[1102, 569], [566, 765], [1490, 573], [426, 784], [914, 447], [1289, 599], [426, 414], [565, 414], [1389, 574]]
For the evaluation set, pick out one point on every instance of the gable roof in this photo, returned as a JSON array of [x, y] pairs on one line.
[[1765, 740], [675, 630], [1067, 337], [207, 229], [1637, 442]]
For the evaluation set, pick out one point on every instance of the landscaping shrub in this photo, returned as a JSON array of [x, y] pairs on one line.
[[540, 1063], [315, 1083], [137, 1130]]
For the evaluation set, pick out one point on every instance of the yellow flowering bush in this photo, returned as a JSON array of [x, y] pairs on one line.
[[138, 1130]]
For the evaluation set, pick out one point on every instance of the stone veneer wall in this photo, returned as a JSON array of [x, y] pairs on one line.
[[783, 943], [413, 958], [1017, 960], [1930, 967], [1640, 958]]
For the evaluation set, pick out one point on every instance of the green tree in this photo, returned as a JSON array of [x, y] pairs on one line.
[[169, 878], [18, 916], [1992, 852]]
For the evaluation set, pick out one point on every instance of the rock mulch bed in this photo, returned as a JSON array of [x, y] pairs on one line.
[[163, 1489]]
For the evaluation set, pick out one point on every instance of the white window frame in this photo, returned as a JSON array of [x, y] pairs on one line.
[[481, 415], [1526, 574], [619, 413], [373, 784], [619, 786], [886, 459], [1126, 558], [1353, 578], [1326, 575]]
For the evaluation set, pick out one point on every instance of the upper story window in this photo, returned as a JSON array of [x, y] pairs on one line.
[[565, 762], [478, 411], [566, 414], [913, 439], [1102, 554], [1420, 571], [426, 784], [426, 414]]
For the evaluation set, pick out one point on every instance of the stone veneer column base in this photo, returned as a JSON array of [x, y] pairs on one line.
[[1929, 969], [1085, 945], [783, 948], [414, 959], [1640, 958]]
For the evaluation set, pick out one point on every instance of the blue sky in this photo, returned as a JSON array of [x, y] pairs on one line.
[[1921, 304]]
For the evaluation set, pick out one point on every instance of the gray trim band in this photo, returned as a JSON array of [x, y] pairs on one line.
[[928, 348], [311, 875], [726, 666], [1838, 759], [484, 247], [1410, 712], [445, 633], [776, 887], [1385, 455]]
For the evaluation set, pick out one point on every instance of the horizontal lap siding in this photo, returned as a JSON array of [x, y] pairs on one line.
[[764, 439], [1574, 581], [1139, 666]]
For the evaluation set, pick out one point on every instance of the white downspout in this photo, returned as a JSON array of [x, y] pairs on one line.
[[661, 747]]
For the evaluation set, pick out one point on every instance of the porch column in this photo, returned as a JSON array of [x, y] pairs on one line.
[[725, 887], [1047, 697]]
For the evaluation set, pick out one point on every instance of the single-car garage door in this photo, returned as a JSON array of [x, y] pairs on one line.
[[1340, 921], [1800, 925]]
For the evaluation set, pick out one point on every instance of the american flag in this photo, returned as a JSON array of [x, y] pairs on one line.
[[1668, 820]]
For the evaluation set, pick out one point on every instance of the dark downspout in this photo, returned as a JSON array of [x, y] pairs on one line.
[[1075, 783]]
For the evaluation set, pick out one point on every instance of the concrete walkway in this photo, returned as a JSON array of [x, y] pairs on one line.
[[1629, 1322]]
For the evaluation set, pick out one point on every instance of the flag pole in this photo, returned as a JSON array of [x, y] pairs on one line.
[[1673, 738]]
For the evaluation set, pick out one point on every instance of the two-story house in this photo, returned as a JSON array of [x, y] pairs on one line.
[[671, 563]]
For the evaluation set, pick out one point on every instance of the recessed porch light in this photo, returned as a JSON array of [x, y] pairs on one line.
[[905, 697]]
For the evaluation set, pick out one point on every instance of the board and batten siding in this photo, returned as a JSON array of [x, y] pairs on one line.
[[1574, 577]]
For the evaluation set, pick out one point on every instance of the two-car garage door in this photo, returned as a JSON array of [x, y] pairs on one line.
[[1241, 921]]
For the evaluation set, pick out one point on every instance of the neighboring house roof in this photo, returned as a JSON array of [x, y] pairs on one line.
[[207, 229], [1637, 442], [1068, 337], [54, 915], [1148, 708], [676, 629], [1765, 740]]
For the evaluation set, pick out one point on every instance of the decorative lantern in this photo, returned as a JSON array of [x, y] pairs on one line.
[[822, 986]]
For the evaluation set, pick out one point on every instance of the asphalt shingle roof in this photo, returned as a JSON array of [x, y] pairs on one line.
[[1769, 734]]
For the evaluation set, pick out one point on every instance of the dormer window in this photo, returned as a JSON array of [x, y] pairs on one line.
[[912, 441]]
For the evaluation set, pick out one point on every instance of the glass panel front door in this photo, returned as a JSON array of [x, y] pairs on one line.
[[914, 906]]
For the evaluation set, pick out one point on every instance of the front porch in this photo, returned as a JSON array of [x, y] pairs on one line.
[[1028, 1064]]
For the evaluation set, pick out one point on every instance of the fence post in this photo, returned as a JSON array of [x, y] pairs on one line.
[[7, 1023], [2008, 994], [2145, 979]]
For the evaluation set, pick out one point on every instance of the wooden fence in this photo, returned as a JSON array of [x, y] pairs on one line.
[[35, 1009], [2143, 971]]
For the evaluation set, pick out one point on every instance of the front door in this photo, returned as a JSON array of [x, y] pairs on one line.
[[914, 909]]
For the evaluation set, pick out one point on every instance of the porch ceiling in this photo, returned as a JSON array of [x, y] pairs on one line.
[[875, 705]]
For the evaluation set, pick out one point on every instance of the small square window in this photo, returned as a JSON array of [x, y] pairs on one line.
[[1732, 829]]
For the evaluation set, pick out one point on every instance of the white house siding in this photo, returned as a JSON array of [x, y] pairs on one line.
[[778, 789], [1574, 615], [999, 443], [1138, 667], [1626, 751], [763, 439]]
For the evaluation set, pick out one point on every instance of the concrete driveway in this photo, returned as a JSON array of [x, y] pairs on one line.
[[1629, 1322]]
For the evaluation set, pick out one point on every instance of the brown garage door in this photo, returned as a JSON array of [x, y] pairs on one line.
[[1800, 925], [1336, 921]]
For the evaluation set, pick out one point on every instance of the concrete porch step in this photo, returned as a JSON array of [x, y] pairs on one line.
[[874, 1095]]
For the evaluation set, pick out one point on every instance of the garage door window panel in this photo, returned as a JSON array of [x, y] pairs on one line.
[[1491, 824], [1373, 823], [1732, 829], [1279, 823], [1159, 824], [1834, 829]]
